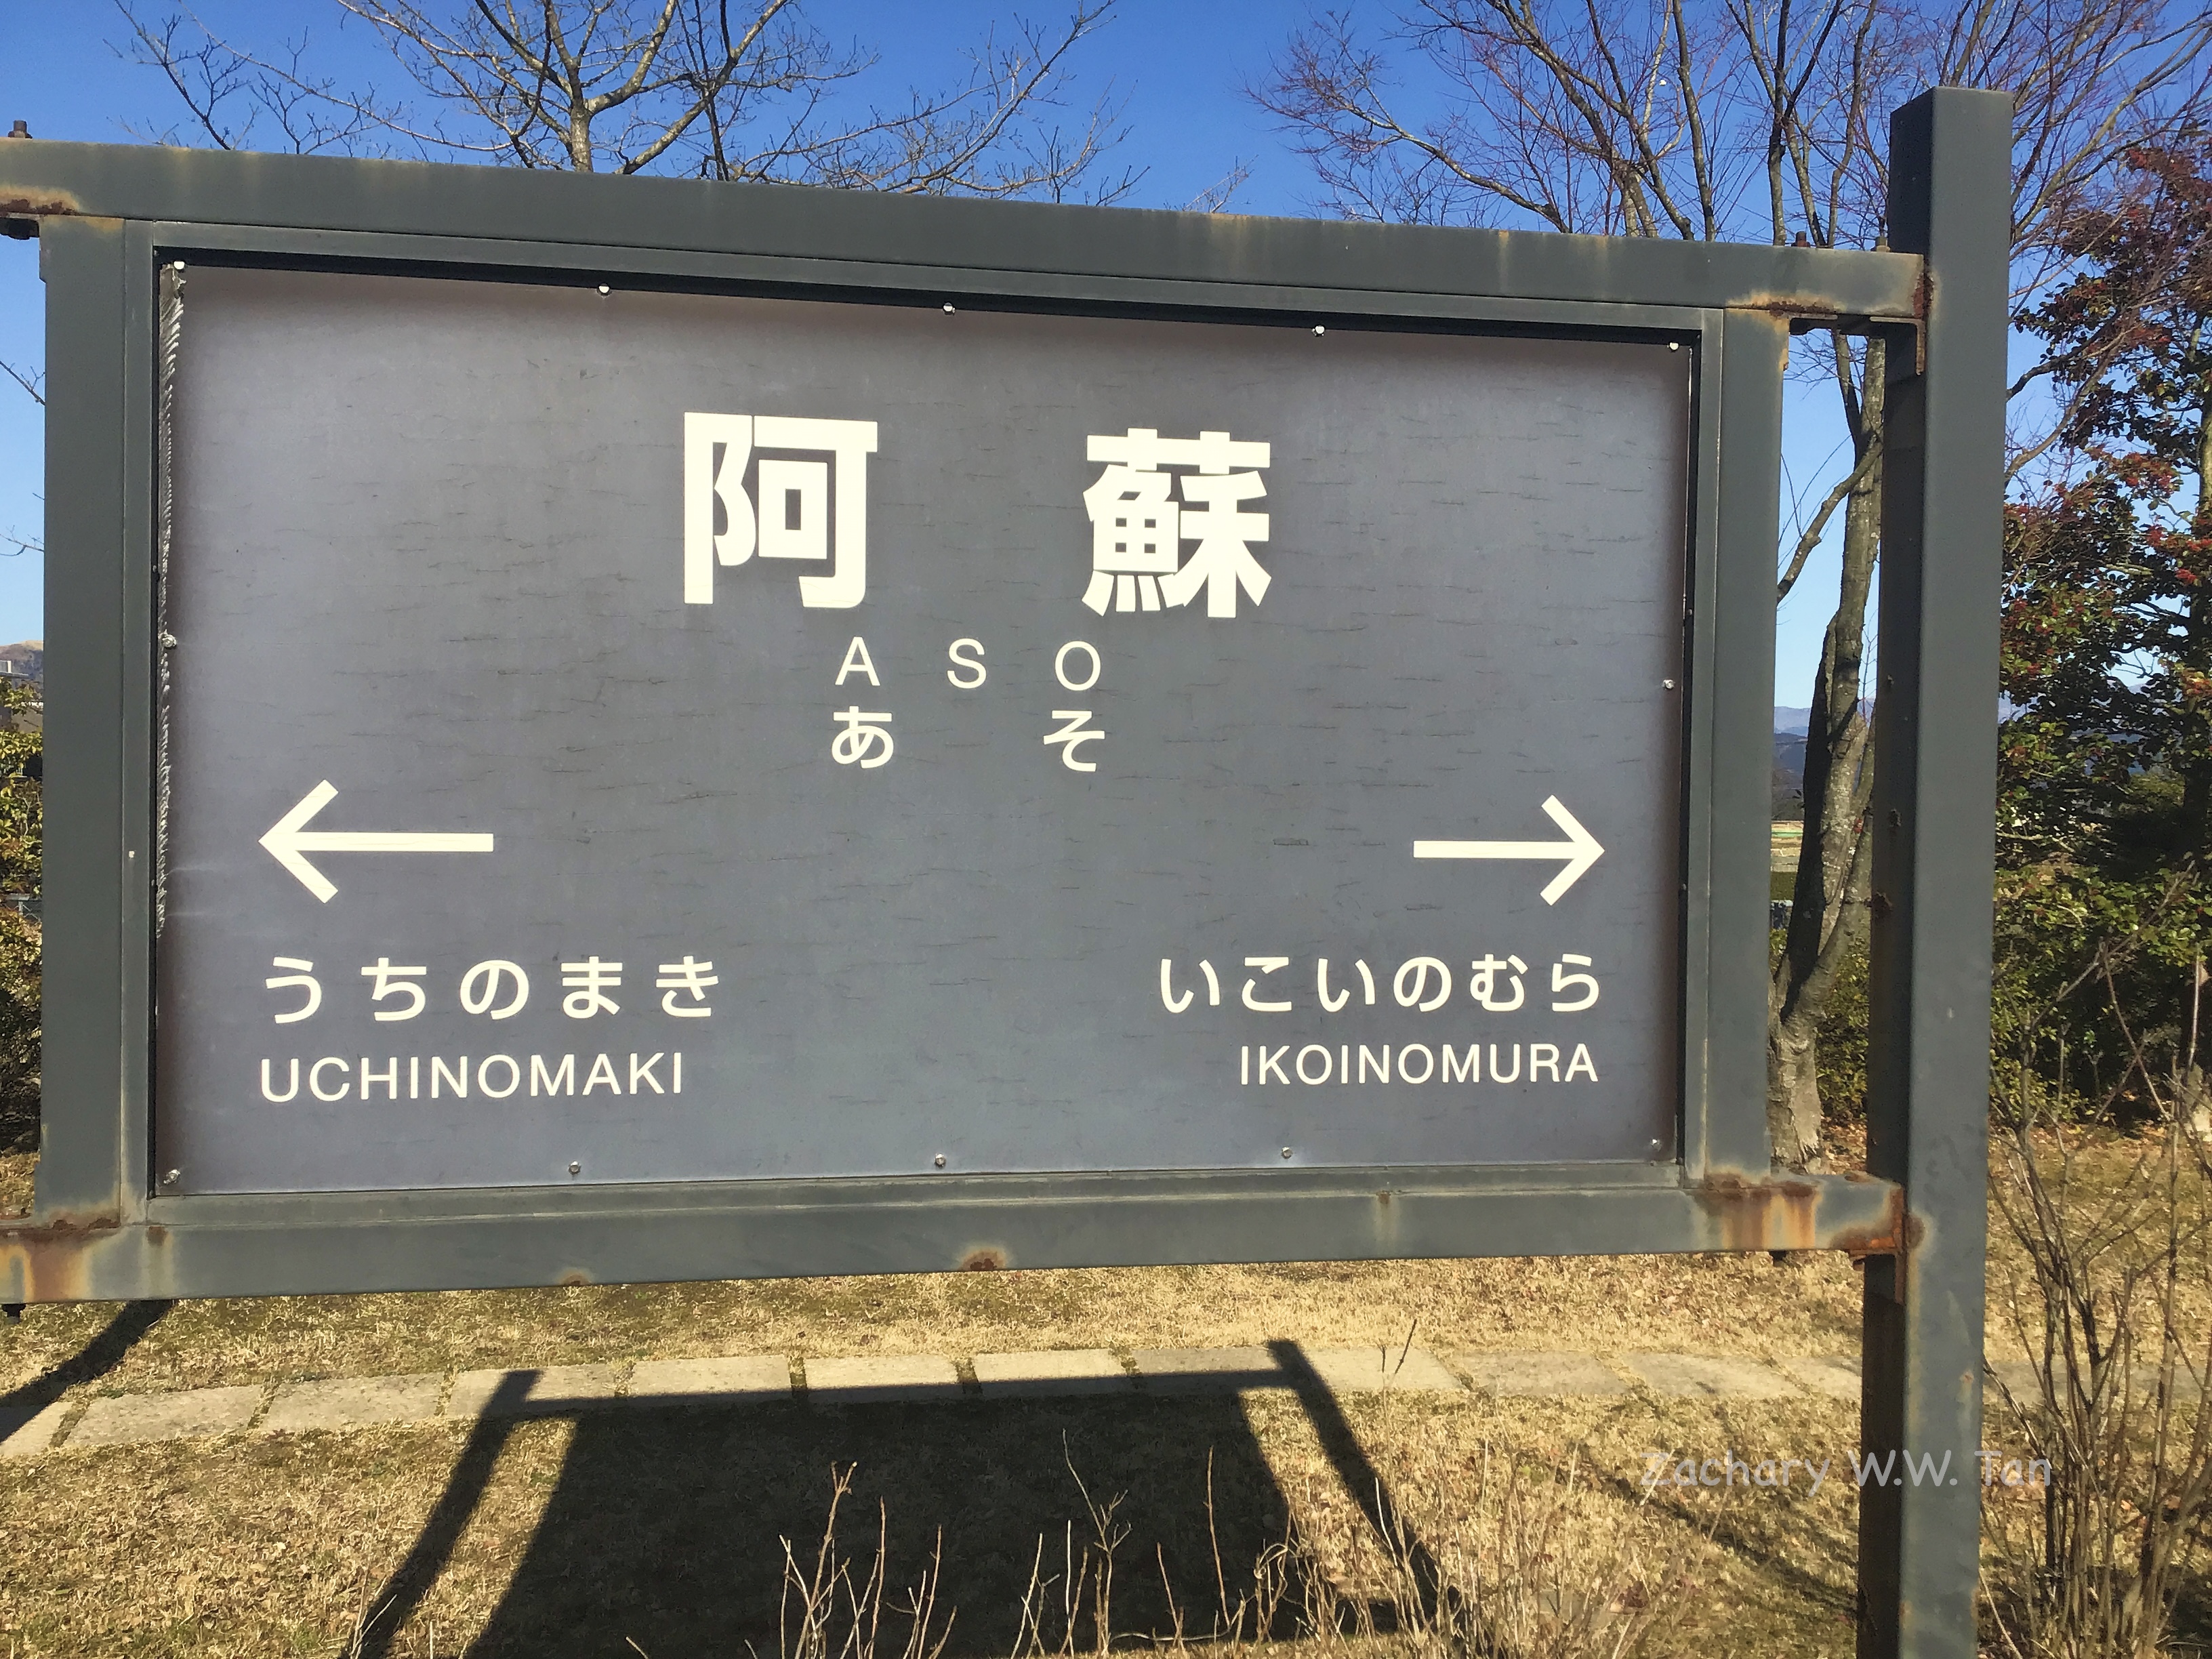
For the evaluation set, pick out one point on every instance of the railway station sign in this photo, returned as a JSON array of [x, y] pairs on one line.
[[621, 736], [624, 729]]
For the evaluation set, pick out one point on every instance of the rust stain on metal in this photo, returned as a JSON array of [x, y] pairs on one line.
[[1779, 1213], [25, 202], [56, 1253], [1894, 1235], [574, 1278], [989, 1259], [1782, 1212]]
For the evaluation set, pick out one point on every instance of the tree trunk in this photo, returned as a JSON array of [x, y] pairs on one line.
[[2196, 760], [1834, 866]]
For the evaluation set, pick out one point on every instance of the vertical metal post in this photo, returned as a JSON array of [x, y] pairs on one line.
[[88, 509], [1754, 353], [1935, 788]]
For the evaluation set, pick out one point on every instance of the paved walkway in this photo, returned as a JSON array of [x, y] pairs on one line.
[[341, 1403]]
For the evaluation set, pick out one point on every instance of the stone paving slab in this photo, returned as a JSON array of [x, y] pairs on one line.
[[1376, 1371], [1540, 1376], [132, 1418], [346, 1402], [26, 1433], [349, 1402], [874, 1377], [733, 1379], [540, 1392], [1835, 1376], [1183, 1371], [1052, 1372], [1701, 1376]]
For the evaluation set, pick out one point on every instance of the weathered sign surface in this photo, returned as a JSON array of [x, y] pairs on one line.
[[633, 735]]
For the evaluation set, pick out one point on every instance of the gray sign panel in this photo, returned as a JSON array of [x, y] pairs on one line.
[[643, 737]]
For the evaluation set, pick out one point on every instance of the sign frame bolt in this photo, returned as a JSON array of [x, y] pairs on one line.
[[940, 1156], [576, 1167], [170, 1177], [1286, 1151]]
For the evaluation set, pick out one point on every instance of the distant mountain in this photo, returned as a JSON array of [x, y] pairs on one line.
[[24, 660]]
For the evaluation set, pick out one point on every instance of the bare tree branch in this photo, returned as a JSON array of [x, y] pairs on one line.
[[1818, 528], [691, 86], [1215, 198], [31, 381]]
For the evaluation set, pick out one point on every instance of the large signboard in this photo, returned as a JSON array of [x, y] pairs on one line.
[[622, 736], [623, 729]]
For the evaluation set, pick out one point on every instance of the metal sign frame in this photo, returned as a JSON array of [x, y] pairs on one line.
[[107, 217]]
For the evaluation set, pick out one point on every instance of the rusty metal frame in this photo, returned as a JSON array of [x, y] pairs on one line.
[[109, 216]]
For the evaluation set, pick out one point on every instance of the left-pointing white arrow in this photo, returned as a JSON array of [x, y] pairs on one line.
[[288, 841], [1580, 849]]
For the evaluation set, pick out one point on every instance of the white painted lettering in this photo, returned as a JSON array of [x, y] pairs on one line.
[[858, 662], [1266, 965], [959, 662], [1320, 985], [1419, 968], [315, 1077], [542, 1081], [483, 1075], [267, 1093], [1060, 666], [1167, 987]]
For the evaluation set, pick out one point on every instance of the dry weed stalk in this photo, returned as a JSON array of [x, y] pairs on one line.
[[825, 1614], [1085, 1580], [2093, 1571], [1492, 1557]]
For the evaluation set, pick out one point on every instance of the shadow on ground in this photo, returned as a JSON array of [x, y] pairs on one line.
[[666, 1526]]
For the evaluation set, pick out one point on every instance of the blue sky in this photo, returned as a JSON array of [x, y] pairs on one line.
[[1178, 68]]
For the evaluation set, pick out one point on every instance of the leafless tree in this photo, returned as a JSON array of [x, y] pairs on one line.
[[694, 86], [1755, 120]]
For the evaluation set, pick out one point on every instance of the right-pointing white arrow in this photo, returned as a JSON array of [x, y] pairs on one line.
[[1580, 849], [288, 840]]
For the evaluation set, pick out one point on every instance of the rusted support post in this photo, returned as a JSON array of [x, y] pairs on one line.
[[1935, 784]]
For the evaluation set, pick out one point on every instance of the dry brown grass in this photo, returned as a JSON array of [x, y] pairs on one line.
[[664, 1528], [1699, 1305]]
